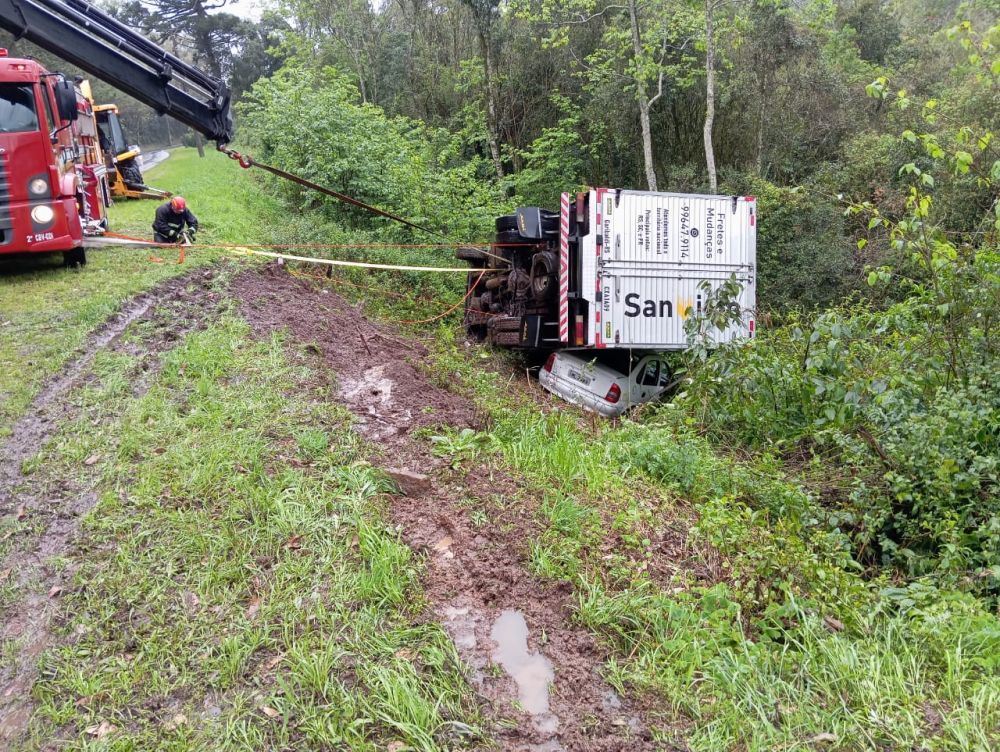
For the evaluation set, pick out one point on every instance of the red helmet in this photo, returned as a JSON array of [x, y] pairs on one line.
[[178, 204]]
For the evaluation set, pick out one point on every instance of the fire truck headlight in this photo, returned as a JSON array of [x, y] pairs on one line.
[[42, 214], [38, 187]]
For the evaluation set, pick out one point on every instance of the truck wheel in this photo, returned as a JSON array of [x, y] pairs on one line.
[[75, 257], [506, 339], [472, 255], [543, 277], [132, 174], [506, 324]]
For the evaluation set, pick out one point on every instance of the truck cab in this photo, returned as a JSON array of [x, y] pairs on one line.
[[53, 186]]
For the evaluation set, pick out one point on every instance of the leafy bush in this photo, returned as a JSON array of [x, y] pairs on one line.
[[895, 415], [396, 164], [803, 257]]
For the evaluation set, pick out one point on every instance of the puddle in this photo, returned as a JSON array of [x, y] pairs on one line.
[[372, 387], [532, 671]]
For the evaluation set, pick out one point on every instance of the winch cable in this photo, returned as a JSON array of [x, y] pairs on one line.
[[246, 162]]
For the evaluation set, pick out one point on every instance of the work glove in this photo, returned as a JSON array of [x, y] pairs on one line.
[[191, 234]]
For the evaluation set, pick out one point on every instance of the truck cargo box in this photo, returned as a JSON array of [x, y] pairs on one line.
[[612, 269], [645, 256]]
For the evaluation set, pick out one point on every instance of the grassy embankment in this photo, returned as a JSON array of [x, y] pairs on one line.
[[236, 584], [768, 636], [47, 311]]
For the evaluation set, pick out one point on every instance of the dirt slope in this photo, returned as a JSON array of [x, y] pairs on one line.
[[477, 578]]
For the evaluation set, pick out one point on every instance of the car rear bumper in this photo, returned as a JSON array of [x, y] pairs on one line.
[[568, 391]]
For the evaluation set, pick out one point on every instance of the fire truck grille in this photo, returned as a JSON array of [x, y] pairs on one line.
[[6, 221]]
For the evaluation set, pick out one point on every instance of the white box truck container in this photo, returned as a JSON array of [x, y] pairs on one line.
[[611, 269]]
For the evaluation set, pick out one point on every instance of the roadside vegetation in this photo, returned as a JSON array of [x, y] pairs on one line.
[[244, 590], [826, 497], [47, 311]]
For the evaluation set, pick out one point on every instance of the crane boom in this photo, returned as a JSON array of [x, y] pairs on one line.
[[97, 43]]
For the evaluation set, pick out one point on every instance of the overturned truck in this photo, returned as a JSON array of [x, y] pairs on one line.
[[611, 269]]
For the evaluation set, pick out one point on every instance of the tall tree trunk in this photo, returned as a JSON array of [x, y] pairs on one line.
[[492, 126], [199, 144], [642, 99], [713, 180], [761, 119]]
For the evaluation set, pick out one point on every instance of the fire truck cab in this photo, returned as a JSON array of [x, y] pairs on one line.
[[53, 180]]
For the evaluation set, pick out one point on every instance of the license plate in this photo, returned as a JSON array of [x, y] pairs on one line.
[[579, 376]]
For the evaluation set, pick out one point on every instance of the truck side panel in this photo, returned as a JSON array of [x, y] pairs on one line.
[[651, 255]]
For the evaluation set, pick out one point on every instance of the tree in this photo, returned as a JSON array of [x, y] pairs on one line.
[[486, 14], [645, 47]]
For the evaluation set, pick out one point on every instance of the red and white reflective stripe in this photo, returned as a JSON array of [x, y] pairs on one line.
[[598, 342], [564, 268]]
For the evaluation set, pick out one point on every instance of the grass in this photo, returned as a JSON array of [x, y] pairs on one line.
[[759, 634], [243, 589], [47, 311]]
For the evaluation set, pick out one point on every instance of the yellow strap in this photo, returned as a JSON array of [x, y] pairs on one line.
[[361, 264]]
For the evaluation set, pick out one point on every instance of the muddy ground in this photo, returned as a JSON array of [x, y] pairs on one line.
[[527, 661], [477, 579]]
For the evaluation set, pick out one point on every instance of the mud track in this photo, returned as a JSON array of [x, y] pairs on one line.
[[477, 579], [53, 505]]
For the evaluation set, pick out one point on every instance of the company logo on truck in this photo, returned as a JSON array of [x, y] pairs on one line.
[[649, 308]]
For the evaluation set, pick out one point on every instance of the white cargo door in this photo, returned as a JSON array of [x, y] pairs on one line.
[[657, 249]]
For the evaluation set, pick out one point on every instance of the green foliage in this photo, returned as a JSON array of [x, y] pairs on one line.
[[396, 164], [803, 257], [555, 162]]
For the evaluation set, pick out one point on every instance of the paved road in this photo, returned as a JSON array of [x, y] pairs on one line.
[[152, 159]]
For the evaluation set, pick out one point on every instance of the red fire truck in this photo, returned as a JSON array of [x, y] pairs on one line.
[[54, 187], [53, 178]]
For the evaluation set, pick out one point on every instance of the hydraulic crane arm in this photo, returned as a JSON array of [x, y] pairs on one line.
[[109, 50]]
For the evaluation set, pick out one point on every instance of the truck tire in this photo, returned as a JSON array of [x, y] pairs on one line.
[[75, 257], [506, 324], [506, 339], [506, 223], [543, 275], [131, 174], [472, 255]]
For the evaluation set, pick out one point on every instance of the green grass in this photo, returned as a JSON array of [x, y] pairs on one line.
[[47, 311], [243, 589], [766, 638]]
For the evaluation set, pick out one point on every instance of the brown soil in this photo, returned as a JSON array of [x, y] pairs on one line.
[[52, 506], [473, 574]]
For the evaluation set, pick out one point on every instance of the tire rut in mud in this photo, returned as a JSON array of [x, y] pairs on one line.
[[477, 580], [55, 505]]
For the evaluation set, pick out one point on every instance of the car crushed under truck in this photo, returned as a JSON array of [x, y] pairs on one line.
[[611, 270]]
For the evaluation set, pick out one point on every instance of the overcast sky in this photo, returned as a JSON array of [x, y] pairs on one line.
[[246, 8]]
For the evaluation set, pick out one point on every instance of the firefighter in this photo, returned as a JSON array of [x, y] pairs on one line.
[[170, 220]]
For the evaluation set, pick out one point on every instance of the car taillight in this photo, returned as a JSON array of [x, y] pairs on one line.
[[548, 363], [614, 394]]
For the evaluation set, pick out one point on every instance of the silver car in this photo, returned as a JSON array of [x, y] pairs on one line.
[[598, 386]]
